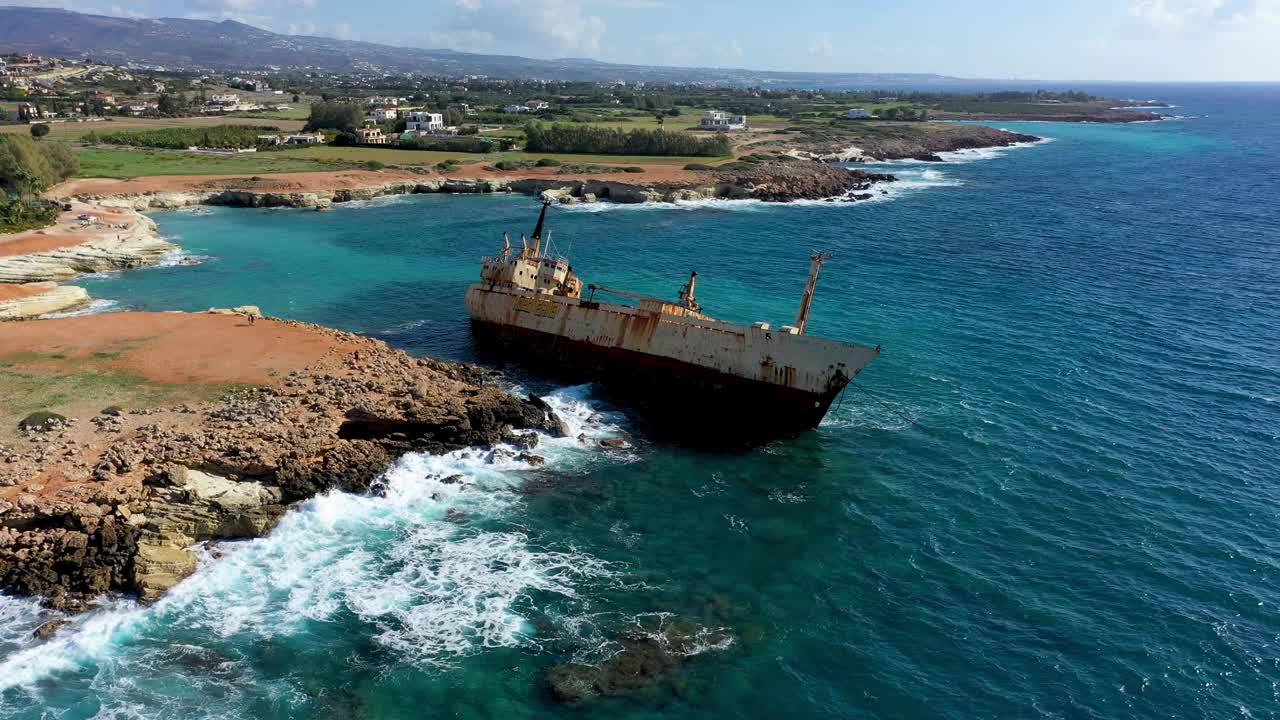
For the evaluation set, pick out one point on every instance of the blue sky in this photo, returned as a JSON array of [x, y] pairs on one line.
[[1061, 40]]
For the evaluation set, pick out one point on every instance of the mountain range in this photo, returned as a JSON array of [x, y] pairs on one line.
[[230, 45]]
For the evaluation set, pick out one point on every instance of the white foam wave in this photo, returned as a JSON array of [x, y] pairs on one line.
[[181, 257], [380, 201], [685, 205], [427, 564], [93, 308], [959, 157]]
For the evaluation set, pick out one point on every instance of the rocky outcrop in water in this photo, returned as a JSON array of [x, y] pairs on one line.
[[900, 141], [651, 652], [160, 480]]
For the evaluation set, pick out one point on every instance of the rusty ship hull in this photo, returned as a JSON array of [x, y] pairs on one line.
[[693, 373]]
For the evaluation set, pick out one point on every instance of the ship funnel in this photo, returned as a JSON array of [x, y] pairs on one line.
[[816, 258]]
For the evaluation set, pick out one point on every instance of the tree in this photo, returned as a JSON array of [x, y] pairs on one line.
[[338, 115], [296, 98], [39, 130], [170, 105]]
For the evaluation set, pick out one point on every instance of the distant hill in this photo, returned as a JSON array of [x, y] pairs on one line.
[[232, 45]]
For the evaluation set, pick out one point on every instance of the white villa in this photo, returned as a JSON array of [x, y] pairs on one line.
[[225, 99], [427, 122], [378, 100], [382, 114], [516, 109], [720, 120], [856, 113], [537, 105]]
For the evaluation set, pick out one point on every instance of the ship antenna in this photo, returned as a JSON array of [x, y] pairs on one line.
[[506, 244], [815, 264]]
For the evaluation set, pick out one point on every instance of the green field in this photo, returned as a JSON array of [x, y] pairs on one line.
[[95, 162], [621, 160], [75, 130], [129, 163]]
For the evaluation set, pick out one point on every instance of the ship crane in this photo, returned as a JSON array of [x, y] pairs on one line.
[[686, 294], [806, 301]]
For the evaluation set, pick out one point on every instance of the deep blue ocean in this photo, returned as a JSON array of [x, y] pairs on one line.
[[1055, 494]]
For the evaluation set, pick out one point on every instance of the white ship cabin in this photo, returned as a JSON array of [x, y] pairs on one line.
[[528, 269]]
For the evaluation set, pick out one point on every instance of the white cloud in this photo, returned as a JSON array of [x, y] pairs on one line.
[[1175, 15], [538, 26]]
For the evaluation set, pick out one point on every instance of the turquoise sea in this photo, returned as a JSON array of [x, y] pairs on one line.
[[1056, 494]]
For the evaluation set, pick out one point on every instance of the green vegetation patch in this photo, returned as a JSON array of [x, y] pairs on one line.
[[177, 138], [574, 138]]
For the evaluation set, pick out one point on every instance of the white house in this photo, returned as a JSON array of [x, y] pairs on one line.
[[382, 114], [428, 122], [304, 139], [225, 99], [856, 113], [537, 105], [379, 101], [261, 86], [720, 120], [516, 109]]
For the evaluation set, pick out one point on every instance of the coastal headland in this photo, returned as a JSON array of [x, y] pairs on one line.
[[157, 431], [104, 229]]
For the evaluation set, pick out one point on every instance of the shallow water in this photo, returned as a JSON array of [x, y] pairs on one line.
[[1054, 494]]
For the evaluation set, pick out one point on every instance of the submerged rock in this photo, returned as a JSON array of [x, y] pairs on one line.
[[647, 655]]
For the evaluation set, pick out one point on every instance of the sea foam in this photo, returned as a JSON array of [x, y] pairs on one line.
[[429, 564]]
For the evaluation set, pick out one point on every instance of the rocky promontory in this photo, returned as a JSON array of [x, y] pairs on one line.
[[85, 239], [113, 499], [871, 141]]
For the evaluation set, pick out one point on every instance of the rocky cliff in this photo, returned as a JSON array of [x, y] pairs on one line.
[[115, 502], [800, 180]]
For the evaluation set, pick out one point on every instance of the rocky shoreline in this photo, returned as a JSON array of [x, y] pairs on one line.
[[119, 239], [114, 502], [776, 182], [905, 145]]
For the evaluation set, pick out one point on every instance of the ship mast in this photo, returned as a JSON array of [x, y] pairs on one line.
[[537, 230], [815, 264]]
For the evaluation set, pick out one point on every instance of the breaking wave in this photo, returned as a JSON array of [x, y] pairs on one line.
[[93, 308], [434, 568]]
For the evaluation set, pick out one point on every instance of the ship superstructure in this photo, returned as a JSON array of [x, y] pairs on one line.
[[746, 380]]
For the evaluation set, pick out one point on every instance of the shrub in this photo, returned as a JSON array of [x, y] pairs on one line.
[[373, 165], [113, 410], [547, 162], [41, 421], [39, 130], [30, 167], [456, 144], [507, 165], [633, 169], [577, 138], [698, 166]]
